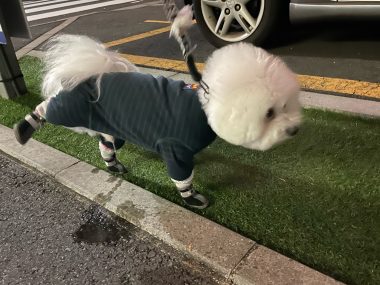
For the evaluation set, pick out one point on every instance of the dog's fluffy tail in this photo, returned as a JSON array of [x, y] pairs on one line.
[[71, 59]]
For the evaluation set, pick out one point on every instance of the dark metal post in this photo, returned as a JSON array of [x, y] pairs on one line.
[[12, 23], [12, 82]]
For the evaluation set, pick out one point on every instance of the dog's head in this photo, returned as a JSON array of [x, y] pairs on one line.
[[253, 97]]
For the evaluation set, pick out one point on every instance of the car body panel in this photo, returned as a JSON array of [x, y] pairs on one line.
[[216, 24], [313, 1], [316, 10]]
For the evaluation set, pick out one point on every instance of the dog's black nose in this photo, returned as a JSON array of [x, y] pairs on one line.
[[292, 131]]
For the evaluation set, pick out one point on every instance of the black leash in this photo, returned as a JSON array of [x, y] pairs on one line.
[[171, 11]]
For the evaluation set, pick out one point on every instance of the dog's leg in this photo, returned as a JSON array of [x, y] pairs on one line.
[[108, 146], [190, 196], [33, 121], [180, 166]]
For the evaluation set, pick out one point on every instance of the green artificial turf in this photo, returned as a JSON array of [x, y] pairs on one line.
[[315, 198]]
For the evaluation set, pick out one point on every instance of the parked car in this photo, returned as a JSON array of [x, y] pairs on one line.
[[227, 21]]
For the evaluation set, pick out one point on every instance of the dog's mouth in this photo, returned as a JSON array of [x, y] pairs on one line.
[[271, 139]]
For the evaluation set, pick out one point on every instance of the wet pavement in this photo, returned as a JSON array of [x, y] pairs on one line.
[[50, 235]]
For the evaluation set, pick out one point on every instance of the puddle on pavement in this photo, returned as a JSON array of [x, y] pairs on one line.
[[98, 227]]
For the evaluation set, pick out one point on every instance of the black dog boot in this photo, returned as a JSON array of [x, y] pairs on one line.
[[116, 167], [24, 129], [193, 199]]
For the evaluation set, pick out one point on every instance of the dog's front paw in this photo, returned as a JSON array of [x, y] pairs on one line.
[[193, 198], [117, 168]]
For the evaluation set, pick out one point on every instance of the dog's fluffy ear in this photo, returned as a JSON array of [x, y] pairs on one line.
[[244, 82]]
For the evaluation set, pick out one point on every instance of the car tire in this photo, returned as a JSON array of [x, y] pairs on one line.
[[269, 18]]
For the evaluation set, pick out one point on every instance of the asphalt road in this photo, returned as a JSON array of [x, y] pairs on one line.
[[49, 235], [349, 49]]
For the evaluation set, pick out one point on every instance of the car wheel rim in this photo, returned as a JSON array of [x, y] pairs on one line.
[[232, 20]]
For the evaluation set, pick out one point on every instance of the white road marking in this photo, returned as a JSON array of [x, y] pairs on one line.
[[41, 3], [75, 10], [57, 6]]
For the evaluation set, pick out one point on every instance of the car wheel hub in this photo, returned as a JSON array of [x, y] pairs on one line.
[[232, 20]]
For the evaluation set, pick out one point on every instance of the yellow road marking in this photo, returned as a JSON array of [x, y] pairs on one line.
[[317, 83], [143, 35], [161, 63], [338, 85], [157, 21], [161, 22], [137, 37]]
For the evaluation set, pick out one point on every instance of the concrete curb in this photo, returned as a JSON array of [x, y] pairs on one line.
[[354, 106], [239, 259]]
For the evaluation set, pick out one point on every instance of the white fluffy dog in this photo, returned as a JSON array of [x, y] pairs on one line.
[[251, 101]]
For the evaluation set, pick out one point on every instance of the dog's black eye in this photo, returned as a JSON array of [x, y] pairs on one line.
[[270, 113]]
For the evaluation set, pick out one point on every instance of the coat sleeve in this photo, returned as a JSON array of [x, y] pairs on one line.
[[178, 159]]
